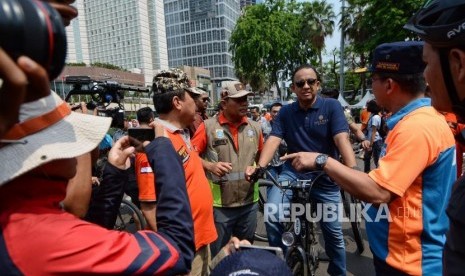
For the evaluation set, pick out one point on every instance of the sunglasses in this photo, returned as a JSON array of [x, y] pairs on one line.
[[302, 83], [206, 99]]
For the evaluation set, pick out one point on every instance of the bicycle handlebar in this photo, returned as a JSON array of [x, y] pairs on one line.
[[259, 173], [295, 184]]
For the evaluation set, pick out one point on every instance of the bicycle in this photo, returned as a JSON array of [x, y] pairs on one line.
[[299, 235], [260, 230], [129, 218], [352, 208]]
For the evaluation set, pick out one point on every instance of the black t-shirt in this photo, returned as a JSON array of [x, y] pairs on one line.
[[454, 250]]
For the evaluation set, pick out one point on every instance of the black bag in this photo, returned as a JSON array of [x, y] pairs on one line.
[[383, 129]]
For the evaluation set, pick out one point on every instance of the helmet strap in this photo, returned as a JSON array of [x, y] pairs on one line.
[[458, 106]]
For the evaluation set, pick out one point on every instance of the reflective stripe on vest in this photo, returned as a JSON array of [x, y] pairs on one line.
[[232, 190]]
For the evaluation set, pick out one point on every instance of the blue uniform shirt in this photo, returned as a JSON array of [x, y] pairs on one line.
[[311, 130]]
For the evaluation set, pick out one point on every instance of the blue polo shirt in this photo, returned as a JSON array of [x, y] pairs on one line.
[[311, 130]]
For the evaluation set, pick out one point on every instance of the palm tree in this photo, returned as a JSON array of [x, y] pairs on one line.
[[317, 24], [355, 31]]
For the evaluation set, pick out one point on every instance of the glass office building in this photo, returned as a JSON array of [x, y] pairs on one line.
[[198, 33], [128, 34]]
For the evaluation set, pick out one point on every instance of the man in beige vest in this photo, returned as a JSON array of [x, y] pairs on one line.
[[228, 144]]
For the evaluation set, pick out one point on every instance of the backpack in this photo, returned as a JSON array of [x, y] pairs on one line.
[[383, 129]]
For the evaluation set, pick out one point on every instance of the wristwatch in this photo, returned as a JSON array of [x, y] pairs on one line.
[[320, 161]]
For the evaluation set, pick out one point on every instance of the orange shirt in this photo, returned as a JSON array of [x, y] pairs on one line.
[[417, 165], [145, 178], [267, 116], [198, 190], [364, 117]]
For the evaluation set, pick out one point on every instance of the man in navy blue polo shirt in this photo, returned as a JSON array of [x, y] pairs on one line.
[[312, 124]]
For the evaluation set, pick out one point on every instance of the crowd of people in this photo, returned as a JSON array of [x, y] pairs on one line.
[[192, 181]]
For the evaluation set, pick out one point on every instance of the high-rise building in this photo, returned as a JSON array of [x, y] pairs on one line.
[[198, 33], [128, 34], [248, 2]]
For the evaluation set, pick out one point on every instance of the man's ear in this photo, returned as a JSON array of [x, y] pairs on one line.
[[177, 103], [292, 87], [391, 85], [457, 64]]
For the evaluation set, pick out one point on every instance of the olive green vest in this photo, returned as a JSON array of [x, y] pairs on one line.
[[232, 190]]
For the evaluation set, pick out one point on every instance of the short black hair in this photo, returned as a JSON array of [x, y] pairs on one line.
[[373, 107], [163, 102], [415, 84], [275, 104], [305, 66], [255, 108], [145, 115]]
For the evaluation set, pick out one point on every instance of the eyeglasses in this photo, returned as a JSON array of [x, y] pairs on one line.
[[302, 83], [206, 100]]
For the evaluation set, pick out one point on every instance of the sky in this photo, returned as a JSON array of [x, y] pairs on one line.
[[335, 40]]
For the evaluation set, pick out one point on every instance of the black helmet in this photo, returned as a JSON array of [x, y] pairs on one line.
[[441, 23]]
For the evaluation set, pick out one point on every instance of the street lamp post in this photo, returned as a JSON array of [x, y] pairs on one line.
[[341, 69]]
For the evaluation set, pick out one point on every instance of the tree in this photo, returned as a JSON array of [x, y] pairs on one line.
[[317, 24], [368, 23], [330, 71], [257, 80], [266, 42]]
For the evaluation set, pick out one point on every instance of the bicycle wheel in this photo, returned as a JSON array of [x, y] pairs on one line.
[[260, 230], [313, 258], [352, 208], [294, 260], [129, 218]]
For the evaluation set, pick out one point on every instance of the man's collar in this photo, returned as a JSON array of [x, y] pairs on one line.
[[169, 126], [410, 107], [223, 120], [316, 105]]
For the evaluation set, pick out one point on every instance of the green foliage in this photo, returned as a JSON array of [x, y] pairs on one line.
[[368, 23], [271, 39], [330, 71], [77, 64], [107, 66], [266, 42], [317, 23]]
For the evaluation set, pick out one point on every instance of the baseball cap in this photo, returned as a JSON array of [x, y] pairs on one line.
[[196, 90], [48, 130], [252, 262], [404, 57], [234, 89], [170, 80]]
